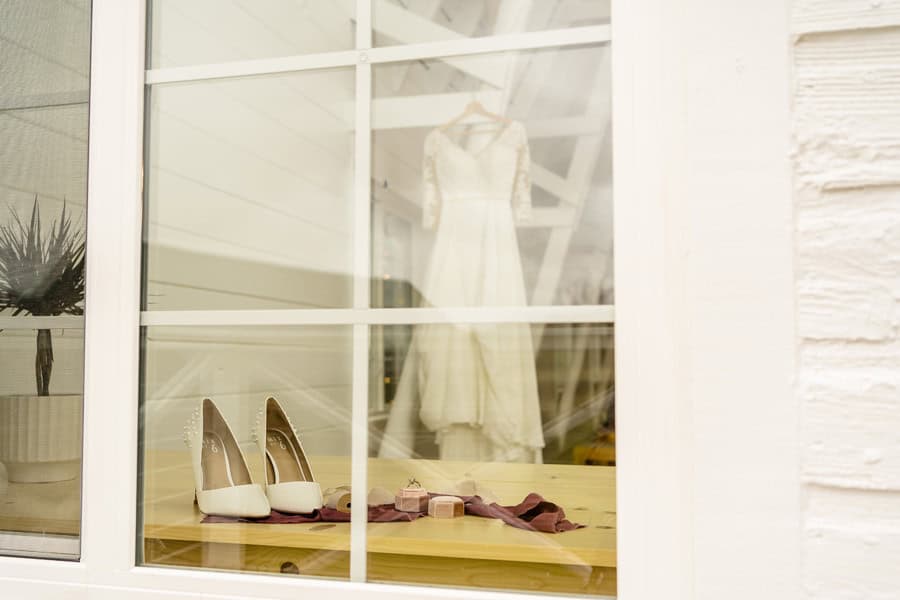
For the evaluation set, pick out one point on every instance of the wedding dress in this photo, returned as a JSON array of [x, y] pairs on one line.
[[474, 385]]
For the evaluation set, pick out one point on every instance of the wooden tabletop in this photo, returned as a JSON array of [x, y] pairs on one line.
[[587, 493]]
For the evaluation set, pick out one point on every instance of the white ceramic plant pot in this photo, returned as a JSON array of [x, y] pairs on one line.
[[40, 437]]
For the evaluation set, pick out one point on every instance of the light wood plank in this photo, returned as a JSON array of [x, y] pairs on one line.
[[587, 494]]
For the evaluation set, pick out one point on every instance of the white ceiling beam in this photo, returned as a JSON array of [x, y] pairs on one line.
[[512, 15], [545, 216], [428, 8], [584, 157], [551, 182], [408, 27]]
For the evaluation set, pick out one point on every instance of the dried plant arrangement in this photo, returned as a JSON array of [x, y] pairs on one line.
[[42, 275]]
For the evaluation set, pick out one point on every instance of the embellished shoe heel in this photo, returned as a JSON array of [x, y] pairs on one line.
[[290, 484], [222, 483]]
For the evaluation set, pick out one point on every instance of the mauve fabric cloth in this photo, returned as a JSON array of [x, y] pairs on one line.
[[533, 513]]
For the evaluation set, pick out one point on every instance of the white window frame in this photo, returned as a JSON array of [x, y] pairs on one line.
[[672, 531]]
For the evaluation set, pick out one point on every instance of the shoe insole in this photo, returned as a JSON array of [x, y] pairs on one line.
[[283, 461], [215, 462]]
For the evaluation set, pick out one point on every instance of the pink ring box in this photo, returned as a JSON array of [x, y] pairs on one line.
[[411, 499], [446, 507]]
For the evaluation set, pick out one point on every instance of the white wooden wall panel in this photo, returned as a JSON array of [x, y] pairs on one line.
[[307, 368], [43, 152], [40, 53], [852, 543], [201, 142], [847, 176], [212, 31], [819, 16], [849, 258], [183, 218]]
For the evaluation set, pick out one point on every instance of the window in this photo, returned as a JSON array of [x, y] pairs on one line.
[[44, 66], [384, 273]]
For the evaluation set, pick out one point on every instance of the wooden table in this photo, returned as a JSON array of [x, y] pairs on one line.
[[470, 551]]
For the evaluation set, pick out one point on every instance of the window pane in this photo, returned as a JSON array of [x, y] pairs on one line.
[[249, 193], [308, 371], [481, 410], [415, 21], [503, 203], [44, 67], [196, 32]]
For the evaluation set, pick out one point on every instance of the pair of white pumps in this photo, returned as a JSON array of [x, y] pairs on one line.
[[221, 476]]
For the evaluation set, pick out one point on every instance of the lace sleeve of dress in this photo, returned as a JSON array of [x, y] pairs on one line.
[[522, 187], [430, 195]]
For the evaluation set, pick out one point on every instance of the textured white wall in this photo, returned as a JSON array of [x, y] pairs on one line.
[[847, 198]]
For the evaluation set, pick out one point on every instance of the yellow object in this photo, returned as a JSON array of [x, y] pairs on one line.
[[601, 452]]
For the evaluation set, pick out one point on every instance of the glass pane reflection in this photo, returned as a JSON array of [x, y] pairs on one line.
[[248, 193], [214, 31], [307, 369], [45, 75], [480, 410], [398, 22], [493, 180]]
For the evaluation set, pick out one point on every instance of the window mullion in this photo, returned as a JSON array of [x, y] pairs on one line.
[[362, 261], [112, 288]]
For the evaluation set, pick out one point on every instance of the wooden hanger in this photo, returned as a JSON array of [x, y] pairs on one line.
[[474, 108]]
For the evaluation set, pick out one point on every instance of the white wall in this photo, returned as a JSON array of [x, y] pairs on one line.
[[43, 106], [307, 368], [847, 198]]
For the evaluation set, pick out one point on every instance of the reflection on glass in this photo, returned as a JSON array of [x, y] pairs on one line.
[[493, 180], [398, 22], [249, 193], [40, 445], [214, 31], [256, 421], [522, 433], [44, 67]]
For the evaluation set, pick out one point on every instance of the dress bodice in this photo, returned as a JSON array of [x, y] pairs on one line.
[[495, 172]]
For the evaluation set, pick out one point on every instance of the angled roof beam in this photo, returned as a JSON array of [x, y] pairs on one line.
[[408, 27]]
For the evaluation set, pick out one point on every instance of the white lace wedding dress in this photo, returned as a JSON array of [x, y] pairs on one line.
[[474, 385]]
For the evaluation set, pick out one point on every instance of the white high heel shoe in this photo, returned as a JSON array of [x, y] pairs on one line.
[[290, 484], [221, 477]]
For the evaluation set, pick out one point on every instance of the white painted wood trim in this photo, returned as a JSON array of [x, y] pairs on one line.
[[113, 284], [653, 415], [348, 58], [37, 545], [603, 313]]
